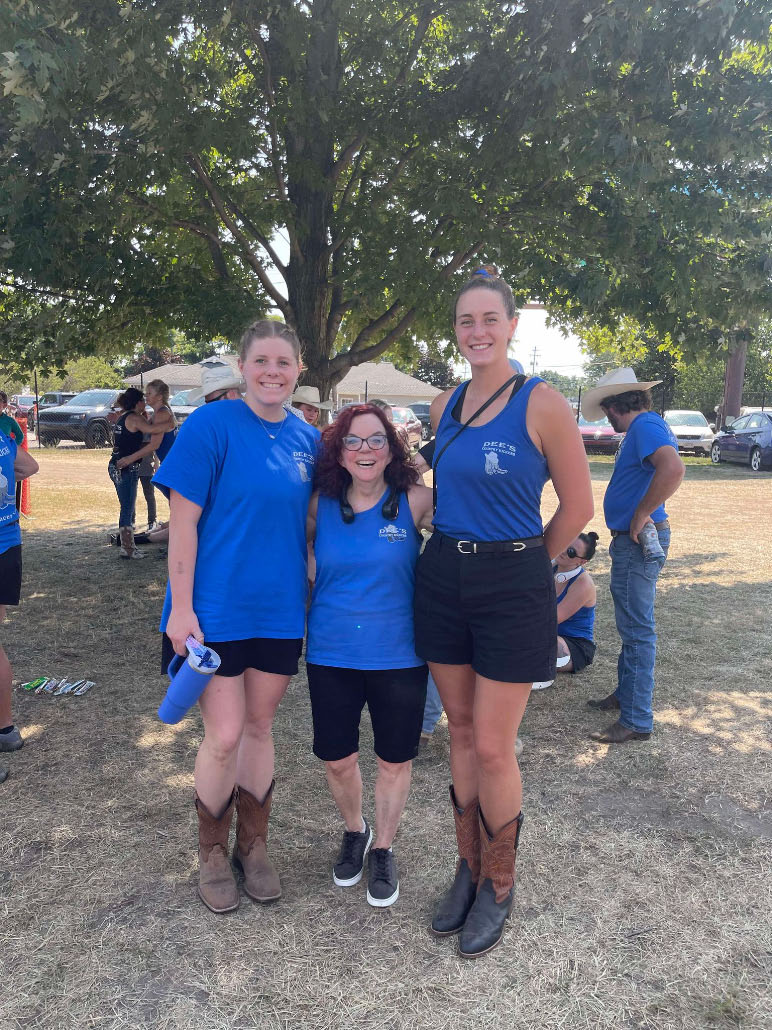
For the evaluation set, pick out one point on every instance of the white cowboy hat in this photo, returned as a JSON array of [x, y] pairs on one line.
[[216, 377], [310, 395], [618, 380]]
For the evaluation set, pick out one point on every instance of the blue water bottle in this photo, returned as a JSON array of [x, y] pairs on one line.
[[189, 678]]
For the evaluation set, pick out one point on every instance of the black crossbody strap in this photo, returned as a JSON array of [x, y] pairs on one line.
[[518, 380]]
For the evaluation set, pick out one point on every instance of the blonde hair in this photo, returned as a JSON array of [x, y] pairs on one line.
[[265, 328], [160, 387]]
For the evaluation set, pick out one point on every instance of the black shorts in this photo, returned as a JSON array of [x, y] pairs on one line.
[[582, 652], [266, 654], [394, 697], [10, 575], [493, 611]]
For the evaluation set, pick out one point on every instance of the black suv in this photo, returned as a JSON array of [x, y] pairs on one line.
[[421, 412], [84, 418], [48, 400]]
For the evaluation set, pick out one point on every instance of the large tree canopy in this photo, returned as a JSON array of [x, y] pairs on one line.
[[193, 164]]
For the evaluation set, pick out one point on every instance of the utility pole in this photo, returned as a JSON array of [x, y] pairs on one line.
[[534, 356]]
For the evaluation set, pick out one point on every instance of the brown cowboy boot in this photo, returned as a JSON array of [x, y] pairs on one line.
[[216, 884], [261, 881], [484, 925], [455, 903]]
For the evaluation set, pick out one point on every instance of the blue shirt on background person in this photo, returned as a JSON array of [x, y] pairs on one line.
[[633, 472]]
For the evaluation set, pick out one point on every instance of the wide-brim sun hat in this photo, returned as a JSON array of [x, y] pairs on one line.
[[216, 377], [612, 384], [310, 395]]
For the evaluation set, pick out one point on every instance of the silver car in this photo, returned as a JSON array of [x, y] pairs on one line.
[[692, 431]]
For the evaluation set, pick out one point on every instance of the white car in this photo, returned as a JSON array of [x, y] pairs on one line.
[[692, 431]]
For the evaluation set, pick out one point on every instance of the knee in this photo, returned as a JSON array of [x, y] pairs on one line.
[[494, 758], [460, 727], [259, 730], [223, 742], [392, 772], [342, 767]]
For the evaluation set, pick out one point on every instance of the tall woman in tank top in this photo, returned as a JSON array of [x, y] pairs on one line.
[[485, 597], [129, 448], [363, 526], [240, 478]]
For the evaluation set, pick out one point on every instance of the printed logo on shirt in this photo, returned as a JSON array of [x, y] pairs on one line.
[[305, 463], [392, 533], [6, 497], [496, 452]]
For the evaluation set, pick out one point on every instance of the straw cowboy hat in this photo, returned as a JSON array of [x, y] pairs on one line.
[[216, 377], [612, 384], [310, 395]]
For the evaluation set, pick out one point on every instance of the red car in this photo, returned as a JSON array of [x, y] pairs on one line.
[[599, 437]]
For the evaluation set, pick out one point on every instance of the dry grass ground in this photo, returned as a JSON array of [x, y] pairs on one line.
[[643, 897]]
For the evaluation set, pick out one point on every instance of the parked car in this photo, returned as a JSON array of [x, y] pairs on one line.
[[48, 400], [599, 437], [407, 423], [21, 404], [181, 408], [83, 418], [692, 430], [421, 412], [748, 441]]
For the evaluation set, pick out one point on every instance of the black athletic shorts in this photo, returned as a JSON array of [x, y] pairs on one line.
[[10, 575], [582, 652], [394, 697], [493, 611], [266, 654]]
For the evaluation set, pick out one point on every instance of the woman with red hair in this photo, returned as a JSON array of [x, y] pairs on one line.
[[364, 527]]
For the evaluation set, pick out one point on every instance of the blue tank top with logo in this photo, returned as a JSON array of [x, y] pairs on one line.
[[10, 533], [490, 480], [166, 442], [362, 606], [582, 622]]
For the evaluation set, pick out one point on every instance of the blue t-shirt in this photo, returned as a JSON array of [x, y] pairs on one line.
[[490, 480], [10, 532], [250, 578], [362, 607], [633, 471]]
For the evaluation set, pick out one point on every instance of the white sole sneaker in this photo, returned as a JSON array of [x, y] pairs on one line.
[[382, 902], [542, 684], [355, 879]]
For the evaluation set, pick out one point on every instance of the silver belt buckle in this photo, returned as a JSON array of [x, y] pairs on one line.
[[518, 545], [472, 544]]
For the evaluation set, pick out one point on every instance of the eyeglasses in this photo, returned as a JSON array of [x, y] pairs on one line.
[[219, 397], [573, 553], [376, 442]]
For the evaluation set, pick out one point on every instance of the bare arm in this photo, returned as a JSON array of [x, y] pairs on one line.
[[183, 549], [311, 536], [553, 429], [137, 424], [420, 499], [581, 595], [437, 407], [24, 465], [163, 420], [668, 473]]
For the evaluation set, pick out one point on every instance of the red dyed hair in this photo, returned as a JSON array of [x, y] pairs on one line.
[[332, 479]]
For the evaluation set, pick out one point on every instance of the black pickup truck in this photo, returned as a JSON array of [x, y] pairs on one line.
[[83, 418]]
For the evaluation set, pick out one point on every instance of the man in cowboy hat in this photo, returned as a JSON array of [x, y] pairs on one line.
[[647, 471], [218, 382], [307, 400]]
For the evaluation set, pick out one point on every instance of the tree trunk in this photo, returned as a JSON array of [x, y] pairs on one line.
[[734, 378]]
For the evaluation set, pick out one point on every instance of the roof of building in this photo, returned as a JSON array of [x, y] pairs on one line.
[[181, 375], [383, 380]]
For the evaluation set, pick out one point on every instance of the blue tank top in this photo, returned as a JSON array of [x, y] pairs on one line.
[[492, 476], [362, 606], [166, 441], [10, 533], [582, 622]]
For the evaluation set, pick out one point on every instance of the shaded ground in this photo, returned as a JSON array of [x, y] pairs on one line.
[[643, 897]]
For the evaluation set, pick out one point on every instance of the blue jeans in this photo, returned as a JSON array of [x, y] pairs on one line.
[[125, 482], [633, 588], [433, 707]]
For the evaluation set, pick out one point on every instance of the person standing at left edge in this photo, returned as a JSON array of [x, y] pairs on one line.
[[240, 478], [647, 471]]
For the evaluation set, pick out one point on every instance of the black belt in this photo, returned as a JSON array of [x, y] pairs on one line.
[[664, 524], [488, 546]]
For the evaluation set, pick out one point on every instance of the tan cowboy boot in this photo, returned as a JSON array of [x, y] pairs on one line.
[[216, 884], [458, 899], [484, 925], [261, 881]]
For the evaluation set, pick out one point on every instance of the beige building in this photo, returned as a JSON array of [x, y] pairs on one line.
[[382, 379]]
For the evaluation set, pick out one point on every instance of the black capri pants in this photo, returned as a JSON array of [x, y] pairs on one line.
[[494, 611], [394, 697]]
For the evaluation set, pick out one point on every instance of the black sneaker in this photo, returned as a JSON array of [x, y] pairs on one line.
[[383, 878], [351, 858]]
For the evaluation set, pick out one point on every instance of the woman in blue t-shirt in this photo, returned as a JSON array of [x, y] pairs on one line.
[[363, 527], [485, 599], [239, 476]]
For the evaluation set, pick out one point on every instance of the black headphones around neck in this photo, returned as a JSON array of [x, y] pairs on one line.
[[389, 508]]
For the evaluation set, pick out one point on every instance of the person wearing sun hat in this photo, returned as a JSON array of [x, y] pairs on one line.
[[647, 471], [218, 382], [309, 402]]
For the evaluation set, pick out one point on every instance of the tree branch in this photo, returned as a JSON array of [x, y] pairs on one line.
[[425, 18], [351, 358], [268, 79], [220, 207]]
